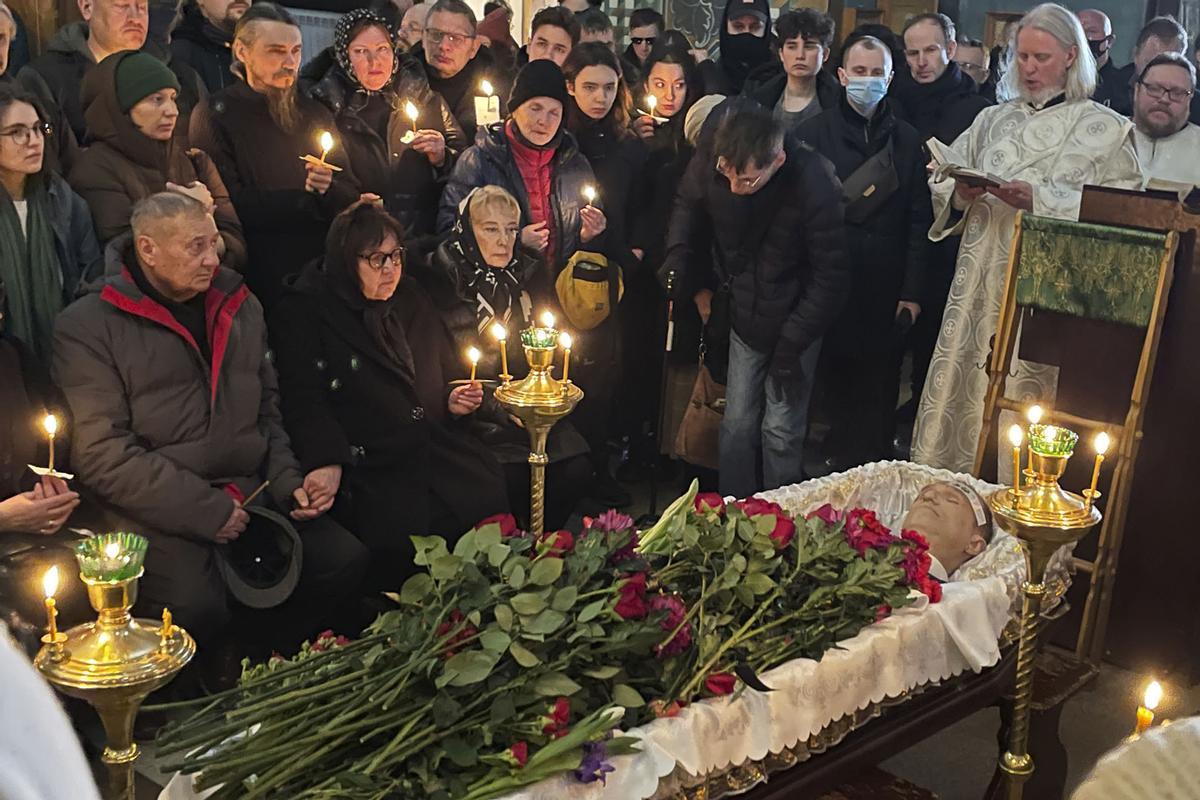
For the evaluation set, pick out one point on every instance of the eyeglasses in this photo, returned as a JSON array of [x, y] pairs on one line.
[[377, 261], [24, 134], [436, 37], [744, 183], [643, 40], [1159, 92], [972, 69]]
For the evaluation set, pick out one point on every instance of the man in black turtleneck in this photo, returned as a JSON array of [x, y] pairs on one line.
[[745, 44], [457, 65], [940, 101], [256, 132], [881, 164]]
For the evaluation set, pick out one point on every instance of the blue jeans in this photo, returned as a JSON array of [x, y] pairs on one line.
[[763, 426]]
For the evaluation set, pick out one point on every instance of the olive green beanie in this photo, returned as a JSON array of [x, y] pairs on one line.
[[140, 75]]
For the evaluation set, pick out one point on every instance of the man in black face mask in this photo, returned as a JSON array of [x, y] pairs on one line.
[[745, 44], [1100, 36]]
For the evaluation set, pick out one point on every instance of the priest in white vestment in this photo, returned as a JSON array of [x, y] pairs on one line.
[[1045, 142], [1168, 146]]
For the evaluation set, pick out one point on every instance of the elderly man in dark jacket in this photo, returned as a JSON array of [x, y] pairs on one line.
[[56, 75], [778, 274], [533, 157], [204, 39], [176, 419], [881, 164], [457, 64], [257, 132]]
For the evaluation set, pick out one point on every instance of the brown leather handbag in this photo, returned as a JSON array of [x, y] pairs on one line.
[[698, 438]]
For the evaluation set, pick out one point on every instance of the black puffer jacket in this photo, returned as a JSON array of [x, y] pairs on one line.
[[889, 248], [204, 47], [491, 162], [409, 185], [789, 285], [944, 108]]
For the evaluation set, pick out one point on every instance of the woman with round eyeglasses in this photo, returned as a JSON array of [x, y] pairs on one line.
[[47, 245], [370, 88], [369, 386]]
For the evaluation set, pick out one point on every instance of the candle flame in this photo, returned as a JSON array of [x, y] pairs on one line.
[[50, 582], [589, 192], [326, 141], [486, 86], [547, 319], [1101, 443], [1015, 435], [112, 549], [1034, 414], [411, 111], [1153, 697], [1050, 433], [474, 354], [500, 332], [50, 423], [651, 102], [565, 340]]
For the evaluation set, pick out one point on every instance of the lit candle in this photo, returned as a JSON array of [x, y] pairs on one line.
[[1014, 438], [547, 320], [1101, 447], [412, 113], [50, 423], [651, 103], [1145, 712], [473, 354], [326, 145], [565, 339], [501, 334], [50, 586], [112, 554], [486, 86], [589, 193], [487, 108]]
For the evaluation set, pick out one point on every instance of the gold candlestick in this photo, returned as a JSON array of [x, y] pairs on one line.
[[1015, 436], [565, 341], [1034, 415], [1101, 447], [501, 334]]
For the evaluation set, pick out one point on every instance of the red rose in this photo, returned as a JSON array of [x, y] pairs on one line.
[[450, 624], [865, 532], [720, 683], [557, 544], [883, 612], [632, 601], [756, 507], [519, 753], [556, 719], [785, 529], [710, 501], [507, 523], [827, 514]]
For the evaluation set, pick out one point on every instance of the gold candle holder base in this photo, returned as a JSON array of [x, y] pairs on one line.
[[113, 664]]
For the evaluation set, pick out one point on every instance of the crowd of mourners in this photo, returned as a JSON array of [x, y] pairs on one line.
[[211, 298]]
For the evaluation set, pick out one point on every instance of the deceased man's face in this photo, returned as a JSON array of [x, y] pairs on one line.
[[943, 514]]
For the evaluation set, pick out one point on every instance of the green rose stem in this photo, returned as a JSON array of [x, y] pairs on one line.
[[693, 685]]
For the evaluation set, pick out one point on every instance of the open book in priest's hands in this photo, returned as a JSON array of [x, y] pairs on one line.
[[948, 163]]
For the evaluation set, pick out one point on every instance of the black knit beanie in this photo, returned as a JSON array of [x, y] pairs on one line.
[[541, 78], [140, 75]]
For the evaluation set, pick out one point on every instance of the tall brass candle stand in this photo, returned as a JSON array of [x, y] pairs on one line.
[[539, 400], [116, 661], [1044, 518]]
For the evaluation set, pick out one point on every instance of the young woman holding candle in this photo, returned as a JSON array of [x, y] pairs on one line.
[[369, 87], [365, 367], [479, 278]]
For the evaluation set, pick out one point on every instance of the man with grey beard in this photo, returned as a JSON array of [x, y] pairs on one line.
[[257, 132]]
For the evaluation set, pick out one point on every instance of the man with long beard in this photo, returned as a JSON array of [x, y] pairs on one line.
[[204, 37], [1045, 144], [257, 132]]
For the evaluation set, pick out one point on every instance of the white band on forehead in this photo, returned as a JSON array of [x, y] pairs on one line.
[[972, 496]]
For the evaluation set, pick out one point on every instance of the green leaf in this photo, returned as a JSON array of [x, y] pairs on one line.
[[459, 751], [626, 695], [528, 603], [446, 710], [428, 548], [471, 667], [565, 598], [758, 583], [546, 571], [526, 658], [497, 553], [554, 684], [445, 567], [517, 578], [546, 622], [416, 589], [488, 536], [504, 617], [466, 548], [592, 610], [602, 673], [503, 708], [495, 640], [764, 523]]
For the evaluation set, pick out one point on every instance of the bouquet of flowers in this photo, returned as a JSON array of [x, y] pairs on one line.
[[513, 658]]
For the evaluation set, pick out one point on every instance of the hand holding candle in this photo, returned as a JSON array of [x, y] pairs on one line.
[[1101, 447], [326, 144], [473, 354], [589, 194], [501, 334], [565, 340], [1015, 437], [325, 141], [1145, 712]]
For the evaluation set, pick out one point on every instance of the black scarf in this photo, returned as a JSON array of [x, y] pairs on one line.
[[381, 318], [494, 288]]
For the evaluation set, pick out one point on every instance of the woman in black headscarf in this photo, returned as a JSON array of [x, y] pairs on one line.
[[364, 371], [479, 278], [370, 87]]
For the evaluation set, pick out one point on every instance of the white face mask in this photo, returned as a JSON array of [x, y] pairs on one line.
[[866, 93]]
